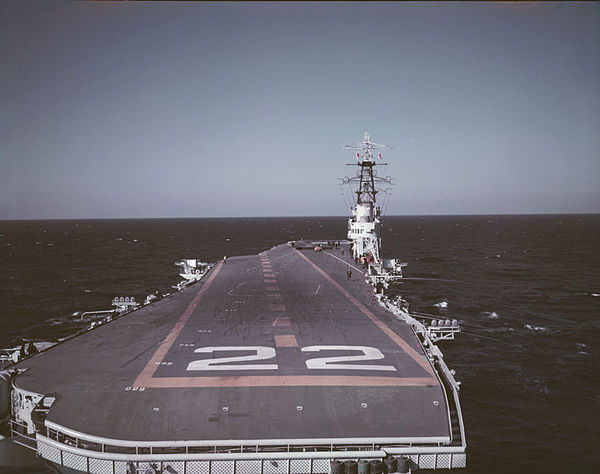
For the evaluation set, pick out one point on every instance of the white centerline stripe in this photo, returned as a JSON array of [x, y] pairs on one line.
[[344, 262]]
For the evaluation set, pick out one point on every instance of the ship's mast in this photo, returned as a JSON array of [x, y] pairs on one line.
[[363, 226]]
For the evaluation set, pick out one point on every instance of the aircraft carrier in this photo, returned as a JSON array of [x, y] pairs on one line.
[[290, 361]]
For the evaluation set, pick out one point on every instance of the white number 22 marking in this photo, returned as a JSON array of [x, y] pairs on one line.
[[262, 353], [369, 353]]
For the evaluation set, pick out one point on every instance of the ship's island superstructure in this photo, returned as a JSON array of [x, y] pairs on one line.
[[290, 361]]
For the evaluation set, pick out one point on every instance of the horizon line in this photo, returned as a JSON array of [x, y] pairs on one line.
[[299, 216]]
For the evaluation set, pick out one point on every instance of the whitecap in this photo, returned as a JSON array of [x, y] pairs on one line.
[[491, 315], [595, 294], [119, 238], [581, 345], [441, 305], [135, 240], [498, 256], [87, 291], [50, 244], [535, 328]]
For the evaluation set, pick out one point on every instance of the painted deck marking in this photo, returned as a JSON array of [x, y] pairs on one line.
[[286, 340], [146, 378], [272, 288], [289, 381], [418, 358], [281, 322], [344, 262]]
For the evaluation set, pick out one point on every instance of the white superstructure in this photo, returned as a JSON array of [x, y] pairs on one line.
[[365, 224]]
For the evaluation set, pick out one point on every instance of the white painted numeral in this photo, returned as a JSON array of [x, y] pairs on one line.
[[333, 363], [262, 353]]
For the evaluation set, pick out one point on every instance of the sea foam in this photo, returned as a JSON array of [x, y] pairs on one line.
[[535, 328]]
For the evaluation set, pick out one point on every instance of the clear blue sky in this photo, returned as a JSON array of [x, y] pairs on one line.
[[242, 109]]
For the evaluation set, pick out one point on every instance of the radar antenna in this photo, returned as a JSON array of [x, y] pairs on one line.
[[366, 177]]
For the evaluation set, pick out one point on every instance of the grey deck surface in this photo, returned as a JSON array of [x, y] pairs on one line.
[[279, 301]]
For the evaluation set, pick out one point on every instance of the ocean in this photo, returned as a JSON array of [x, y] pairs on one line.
[[526, 290]]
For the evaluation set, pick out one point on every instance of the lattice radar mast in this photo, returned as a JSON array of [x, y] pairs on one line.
[[364, 225]]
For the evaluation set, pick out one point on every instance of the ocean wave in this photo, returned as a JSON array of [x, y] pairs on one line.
[[536, 328], [506, 329], [441, 305], [491, 314]]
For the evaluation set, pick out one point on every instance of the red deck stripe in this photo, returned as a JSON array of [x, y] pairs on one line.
[[164, 347], [285, 340], [289, 381]]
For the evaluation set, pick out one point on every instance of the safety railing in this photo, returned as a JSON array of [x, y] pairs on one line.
[[18, 432], [73, 457]]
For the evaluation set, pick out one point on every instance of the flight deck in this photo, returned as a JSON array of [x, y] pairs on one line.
[[281, 346]]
